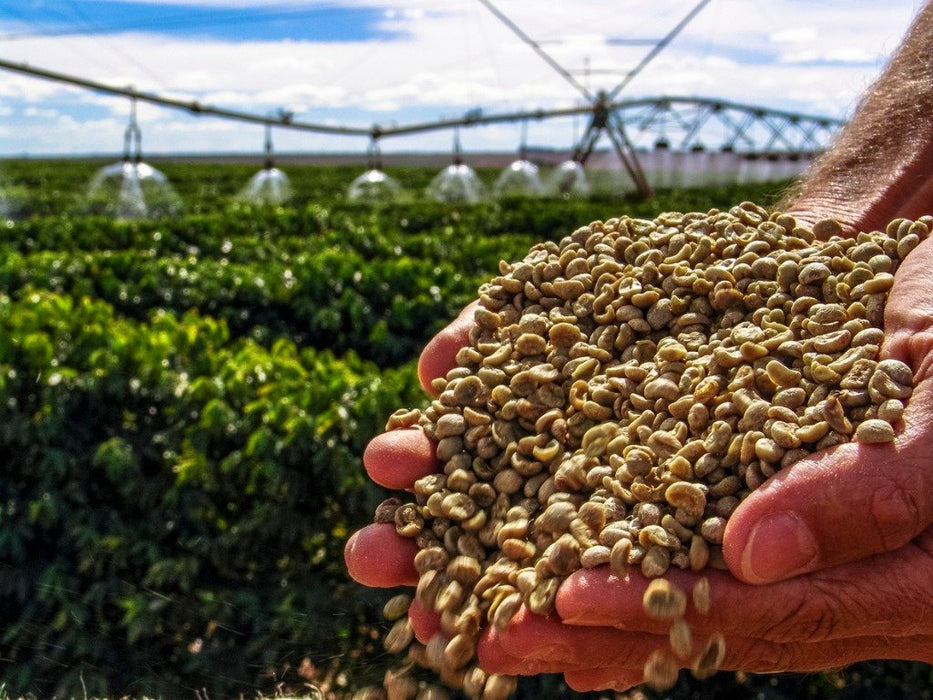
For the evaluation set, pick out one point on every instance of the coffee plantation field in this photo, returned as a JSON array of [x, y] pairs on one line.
[[183, 407]]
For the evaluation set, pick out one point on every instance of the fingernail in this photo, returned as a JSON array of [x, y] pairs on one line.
[[780, 546]]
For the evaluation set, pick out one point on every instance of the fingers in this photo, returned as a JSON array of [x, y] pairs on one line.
[[440, 354], [749, 656], [378, 557], [848, 503], [854, 501], [785, 612], [809, 623], [606, 658], [908, 313], [597, 597], [399, 458], [426, 623], [494, 658], [560, 646], [615, 679], [501, 651], [840, 603]]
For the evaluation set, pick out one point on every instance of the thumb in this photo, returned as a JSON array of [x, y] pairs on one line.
[[843, 504]]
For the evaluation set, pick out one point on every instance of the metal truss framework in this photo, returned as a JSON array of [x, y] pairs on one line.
[[695, 123], [677, 122]]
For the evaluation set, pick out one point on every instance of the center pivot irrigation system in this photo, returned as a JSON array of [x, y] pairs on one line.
[[680, 123]]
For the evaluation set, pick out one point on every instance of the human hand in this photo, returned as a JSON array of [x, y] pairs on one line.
[[376, 556], [882, 493], [874, 172], [840, 545], [811, 625], [601, 638]]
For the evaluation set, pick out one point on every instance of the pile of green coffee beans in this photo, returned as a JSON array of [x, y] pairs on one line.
[[624, 389]]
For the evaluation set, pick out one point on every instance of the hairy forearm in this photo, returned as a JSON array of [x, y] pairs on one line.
[[881, 164]]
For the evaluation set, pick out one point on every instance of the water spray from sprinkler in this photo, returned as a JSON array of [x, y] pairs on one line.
[[458, 182], [374, 186], [270, 186], [132, 189]]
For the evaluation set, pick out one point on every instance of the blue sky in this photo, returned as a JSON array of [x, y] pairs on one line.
[[276, 22], [365, 62]]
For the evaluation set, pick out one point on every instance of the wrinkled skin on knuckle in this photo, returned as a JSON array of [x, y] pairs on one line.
[[896, 509], [834, 604], [812, 615], [755, 656], [891, 599], [909, 591], [795, 658]]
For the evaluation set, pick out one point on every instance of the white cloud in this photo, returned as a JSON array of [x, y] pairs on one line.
[[41, 113], [449, 58], [796, 35]]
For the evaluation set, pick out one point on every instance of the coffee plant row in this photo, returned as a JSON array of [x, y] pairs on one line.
[[183, 407]]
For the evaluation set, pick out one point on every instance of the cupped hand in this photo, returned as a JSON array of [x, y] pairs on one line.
[[376, 555], [855, 500], [840, 546], [876, 608]]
